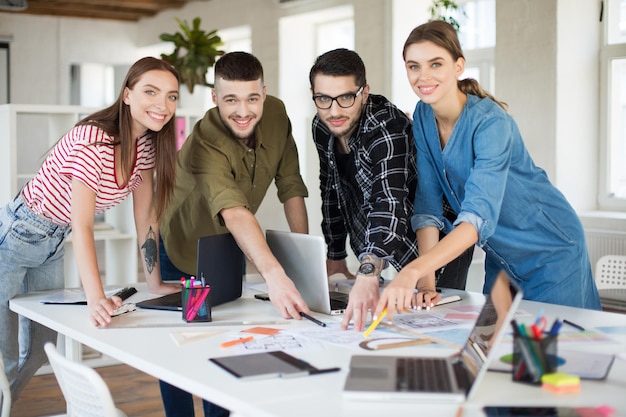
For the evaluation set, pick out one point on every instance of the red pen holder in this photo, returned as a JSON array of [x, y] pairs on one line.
[[532, 358], [196, 302]]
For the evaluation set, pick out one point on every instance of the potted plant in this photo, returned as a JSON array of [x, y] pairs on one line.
[[445, 10], [194, 53]]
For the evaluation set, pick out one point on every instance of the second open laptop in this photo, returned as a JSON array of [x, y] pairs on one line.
[[437, 379], [220, 262], [303, 257]]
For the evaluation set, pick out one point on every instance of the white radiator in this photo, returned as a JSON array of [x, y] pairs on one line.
[[602, 242]]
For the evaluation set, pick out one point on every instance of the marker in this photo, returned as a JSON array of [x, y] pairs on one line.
[[313, 319], [236, 341], [536, 331], [311, 372], [554, 331], [374, 324], [574, 325]]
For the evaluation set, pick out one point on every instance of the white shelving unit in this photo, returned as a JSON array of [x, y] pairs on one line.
[[27, 132]]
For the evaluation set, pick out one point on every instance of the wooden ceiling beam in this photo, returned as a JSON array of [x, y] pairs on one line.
[[125, 10]]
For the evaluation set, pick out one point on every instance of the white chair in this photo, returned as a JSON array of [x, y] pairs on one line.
[[85, 392], [5, 391], [611, 272]]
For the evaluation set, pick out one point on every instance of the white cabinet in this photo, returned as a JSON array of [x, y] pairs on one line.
[[27, 132]]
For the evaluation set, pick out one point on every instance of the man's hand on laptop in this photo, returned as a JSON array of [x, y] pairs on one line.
[[286, 298], [363, 298]]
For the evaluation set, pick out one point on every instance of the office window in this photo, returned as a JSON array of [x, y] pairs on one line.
[[94, 84], [612, 187], [334, 34], [478, 40]]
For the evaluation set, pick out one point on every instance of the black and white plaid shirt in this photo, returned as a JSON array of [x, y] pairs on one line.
[[375, 214]]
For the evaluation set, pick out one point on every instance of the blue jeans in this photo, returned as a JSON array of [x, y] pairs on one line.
[[177, 402], [31, 259]]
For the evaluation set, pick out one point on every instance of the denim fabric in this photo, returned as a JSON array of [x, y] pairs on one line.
[[31, 259], [177, 402], [169, 271], [524, 223]]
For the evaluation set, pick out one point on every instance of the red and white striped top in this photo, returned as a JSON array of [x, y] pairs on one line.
[[76, 155]]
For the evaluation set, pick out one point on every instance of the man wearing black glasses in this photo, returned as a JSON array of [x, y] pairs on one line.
[[368, 177]]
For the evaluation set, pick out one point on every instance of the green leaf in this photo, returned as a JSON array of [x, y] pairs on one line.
[[195, 52]]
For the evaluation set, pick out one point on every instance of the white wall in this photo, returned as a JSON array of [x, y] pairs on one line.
[[43, 48], [547, 71], [577, 101]]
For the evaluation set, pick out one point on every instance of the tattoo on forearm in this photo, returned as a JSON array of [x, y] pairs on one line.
[[149, 249]]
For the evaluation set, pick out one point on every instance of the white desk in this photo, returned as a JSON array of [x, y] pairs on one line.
[[152, 350]]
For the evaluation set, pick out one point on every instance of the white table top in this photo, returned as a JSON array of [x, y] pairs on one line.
[[144, 341]]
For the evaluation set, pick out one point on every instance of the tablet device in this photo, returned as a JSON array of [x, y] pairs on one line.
[[263, 365], [170, 302]]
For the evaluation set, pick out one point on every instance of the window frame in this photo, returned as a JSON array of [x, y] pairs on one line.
[[608, 53]]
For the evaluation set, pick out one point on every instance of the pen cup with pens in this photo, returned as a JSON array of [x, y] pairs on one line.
[[534, 354], [196, 301]]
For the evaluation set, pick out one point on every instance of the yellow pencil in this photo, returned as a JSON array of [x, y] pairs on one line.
[[374, 324]]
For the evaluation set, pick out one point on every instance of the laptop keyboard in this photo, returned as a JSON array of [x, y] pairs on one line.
[[423, 374]]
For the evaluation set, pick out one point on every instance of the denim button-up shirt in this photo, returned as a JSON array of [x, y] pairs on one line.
[[525, 225]]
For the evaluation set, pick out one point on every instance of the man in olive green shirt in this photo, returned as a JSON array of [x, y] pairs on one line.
[[223, 172]]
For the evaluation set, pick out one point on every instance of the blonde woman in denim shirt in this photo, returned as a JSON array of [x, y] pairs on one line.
[[470, 150]]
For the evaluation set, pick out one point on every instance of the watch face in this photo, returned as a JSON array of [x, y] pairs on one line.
[[366, 268]]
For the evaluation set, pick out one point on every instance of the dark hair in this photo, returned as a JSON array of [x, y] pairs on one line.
[[444, 35], [116, 120], [337, 63], [238, 66]]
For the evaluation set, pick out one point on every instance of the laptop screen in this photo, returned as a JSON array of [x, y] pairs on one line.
[[488, 325]]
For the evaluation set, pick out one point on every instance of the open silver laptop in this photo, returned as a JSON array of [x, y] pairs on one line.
[[303, 257], [437, 379]]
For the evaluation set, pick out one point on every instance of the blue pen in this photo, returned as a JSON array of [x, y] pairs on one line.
[[556, 326]]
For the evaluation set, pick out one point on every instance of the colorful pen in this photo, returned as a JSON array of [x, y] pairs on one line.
[[574, 325], [375, 323], [237, 341], [554, 331]]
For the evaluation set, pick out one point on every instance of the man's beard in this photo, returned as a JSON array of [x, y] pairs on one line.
[[347, 132], [247, 138]]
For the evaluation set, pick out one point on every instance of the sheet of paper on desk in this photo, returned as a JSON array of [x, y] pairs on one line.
[[332, 333], [185, 337], [76, 295], [278, 341], [427, 321]]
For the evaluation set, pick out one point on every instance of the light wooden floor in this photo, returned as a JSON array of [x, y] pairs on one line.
[[134, 392]]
